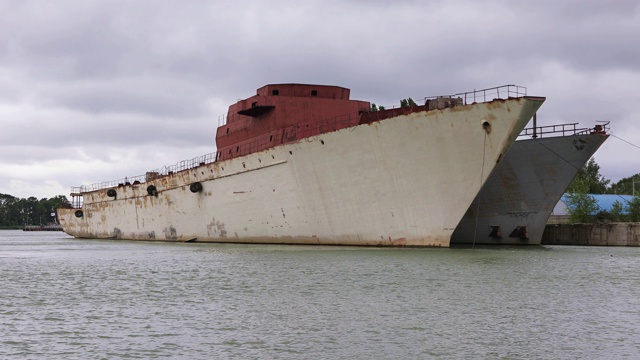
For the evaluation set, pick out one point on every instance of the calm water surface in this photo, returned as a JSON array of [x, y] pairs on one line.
[[63, 298]]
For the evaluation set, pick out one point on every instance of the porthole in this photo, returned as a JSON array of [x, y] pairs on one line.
[[195, 187], [151, 190]]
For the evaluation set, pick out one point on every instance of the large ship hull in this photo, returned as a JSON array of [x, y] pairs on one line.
[[515, 203], [402, 181]]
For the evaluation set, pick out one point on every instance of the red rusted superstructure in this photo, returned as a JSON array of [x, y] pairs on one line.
[[284, 113]]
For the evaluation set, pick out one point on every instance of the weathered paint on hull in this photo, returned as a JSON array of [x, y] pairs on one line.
[[523, 190], [404, 181]]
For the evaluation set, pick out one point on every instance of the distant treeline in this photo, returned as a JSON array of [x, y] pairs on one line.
[[15, 212], [583, 208]]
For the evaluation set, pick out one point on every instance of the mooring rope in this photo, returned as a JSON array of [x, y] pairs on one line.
[[567, 161], [484, 151], [634, 145], [556, 154]]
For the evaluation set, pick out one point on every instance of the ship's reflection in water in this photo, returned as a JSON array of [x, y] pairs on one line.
[[67, 298]]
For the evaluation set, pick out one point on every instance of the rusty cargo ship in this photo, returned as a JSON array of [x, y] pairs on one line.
[[514, 205], [305, 164]]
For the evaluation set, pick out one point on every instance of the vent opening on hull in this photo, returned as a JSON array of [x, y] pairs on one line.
[[520, 232], [495, 233]]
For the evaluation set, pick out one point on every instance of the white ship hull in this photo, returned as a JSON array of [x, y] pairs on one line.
[[403, 181], [513, 207]]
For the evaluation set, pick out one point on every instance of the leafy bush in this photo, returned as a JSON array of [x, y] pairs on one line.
[[581, 206], [634, 209]]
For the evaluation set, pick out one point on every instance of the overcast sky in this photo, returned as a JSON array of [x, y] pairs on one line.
[[92, 91]]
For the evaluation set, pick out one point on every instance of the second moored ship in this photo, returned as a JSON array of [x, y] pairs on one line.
[[513, 206]]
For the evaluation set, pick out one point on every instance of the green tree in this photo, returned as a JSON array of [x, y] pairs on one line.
[[408, 102], [626, 186], [634, 209], [580, 205], [589, 175], [16, 212], [374, 107], [6, 213], [617, 212]]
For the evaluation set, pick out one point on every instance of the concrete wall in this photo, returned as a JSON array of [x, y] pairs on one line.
[[558, 219], [614, 234]]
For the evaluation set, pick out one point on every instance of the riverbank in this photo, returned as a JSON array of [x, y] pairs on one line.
[[13, 227], [42, 228], [611, 234]]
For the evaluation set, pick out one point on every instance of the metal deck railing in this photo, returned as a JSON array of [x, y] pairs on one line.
[[139, 179], [564, 130], [331, 124], [486, 95]]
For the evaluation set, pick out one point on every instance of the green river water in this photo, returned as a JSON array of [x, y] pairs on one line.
[[64, 298]]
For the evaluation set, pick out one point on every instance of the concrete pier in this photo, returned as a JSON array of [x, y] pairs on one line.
[[612, 234]]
